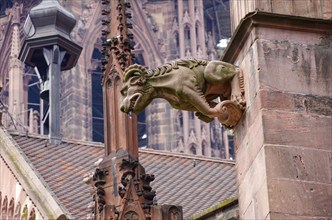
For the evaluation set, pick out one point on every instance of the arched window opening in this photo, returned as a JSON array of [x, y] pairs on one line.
[[97, 99], [193, 149], [17, 211], [197, 34], [177, 39], [192, 115], [187, 36], [4, 208], [174, 46], [11, 209], [180, 118], [204, 148]]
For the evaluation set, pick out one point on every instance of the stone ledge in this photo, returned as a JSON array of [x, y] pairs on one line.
[[272, 20]]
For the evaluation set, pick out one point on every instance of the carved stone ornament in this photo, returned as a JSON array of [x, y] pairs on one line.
[[174, 213], [188, 84]]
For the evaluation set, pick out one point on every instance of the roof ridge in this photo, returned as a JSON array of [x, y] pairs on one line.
[[184, 155], [141, 150], [64, 140]]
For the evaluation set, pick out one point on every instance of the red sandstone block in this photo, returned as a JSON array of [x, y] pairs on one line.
[[261, 203], [282, 216], [295, 68], [284, 101], [282, 6], [250, 179], [326, 9], [300, 198], [287, 128], [249, 148], [264, 5], [298, 164], [251, 114]]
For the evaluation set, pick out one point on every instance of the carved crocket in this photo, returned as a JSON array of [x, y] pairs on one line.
[[187, 84]]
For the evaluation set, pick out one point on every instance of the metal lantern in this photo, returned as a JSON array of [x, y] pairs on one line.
[[49, 24]]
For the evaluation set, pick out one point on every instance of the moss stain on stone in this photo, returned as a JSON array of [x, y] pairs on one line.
[[214, 208]]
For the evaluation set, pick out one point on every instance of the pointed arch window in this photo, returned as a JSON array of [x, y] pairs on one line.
[[11, 209], [180, 118], [187, 36], [192, 115], [204, 148], [4, 208], [197, 29], [32, 215], [17, 211], [193, 149], [97, 98]]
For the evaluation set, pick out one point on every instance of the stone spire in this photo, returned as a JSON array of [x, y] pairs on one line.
[[121, 187], [15, 97]]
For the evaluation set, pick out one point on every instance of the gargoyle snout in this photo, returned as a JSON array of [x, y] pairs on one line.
[[122, 108]]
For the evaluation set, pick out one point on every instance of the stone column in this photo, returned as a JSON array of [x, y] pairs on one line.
[[284, 138], [226, 143], [198, 135], [16, 104], [185, 130], [181, 28], [193, 41], [202, 26]]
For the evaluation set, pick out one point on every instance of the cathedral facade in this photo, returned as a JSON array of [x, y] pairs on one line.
[[163, 30]]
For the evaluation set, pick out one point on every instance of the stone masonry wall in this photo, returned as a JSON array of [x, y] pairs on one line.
[[314, 9], [284, 141]]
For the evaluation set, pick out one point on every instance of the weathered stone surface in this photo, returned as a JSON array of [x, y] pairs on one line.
[[262, 206], [250, 186], [297, 67], [283, 101], [298, 164], [284, 139], [249, 148], [253, 100], [300, 198], [287, 128], [318, 9], [282, 216]]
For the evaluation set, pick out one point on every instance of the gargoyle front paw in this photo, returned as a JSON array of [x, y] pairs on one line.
[[239, 99], [203, 117]]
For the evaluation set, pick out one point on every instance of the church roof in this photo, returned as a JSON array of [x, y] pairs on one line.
[[194, 182]]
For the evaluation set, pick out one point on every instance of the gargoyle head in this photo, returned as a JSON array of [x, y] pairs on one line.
[[136, 92]]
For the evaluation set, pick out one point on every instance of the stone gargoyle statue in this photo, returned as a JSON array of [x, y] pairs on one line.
[[188, 84]]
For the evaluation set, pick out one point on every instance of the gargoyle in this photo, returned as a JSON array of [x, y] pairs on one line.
[[187, 84]]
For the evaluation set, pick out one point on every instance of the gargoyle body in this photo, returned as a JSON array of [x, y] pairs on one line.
[[187, 84]]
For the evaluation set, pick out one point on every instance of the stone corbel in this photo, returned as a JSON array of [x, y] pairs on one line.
[[231, 110]]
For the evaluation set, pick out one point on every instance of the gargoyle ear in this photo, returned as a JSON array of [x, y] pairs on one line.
[[134, 70]]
